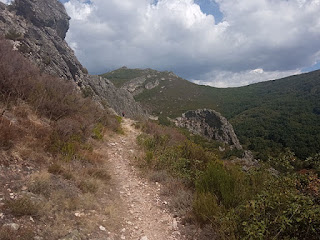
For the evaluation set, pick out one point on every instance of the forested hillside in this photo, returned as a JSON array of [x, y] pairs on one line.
[[268, 117]]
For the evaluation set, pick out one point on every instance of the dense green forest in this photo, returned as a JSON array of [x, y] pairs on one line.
[[268, 117]]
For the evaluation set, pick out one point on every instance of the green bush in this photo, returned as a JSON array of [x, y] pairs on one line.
[[98, 131], [218, 181], [280, 212], [206, 207], [14, 35]]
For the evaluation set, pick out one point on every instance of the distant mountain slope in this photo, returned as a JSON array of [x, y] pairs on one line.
[[267, 116]]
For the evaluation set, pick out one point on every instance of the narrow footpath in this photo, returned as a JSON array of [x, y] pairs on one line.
[[144, 214]]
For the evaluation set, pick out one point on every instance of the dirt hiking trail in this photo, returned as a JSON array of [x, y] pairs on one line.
[[144, 216]]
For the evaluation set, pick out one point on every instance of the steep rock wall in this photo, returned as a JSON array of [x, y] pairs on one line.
[[38, 29]]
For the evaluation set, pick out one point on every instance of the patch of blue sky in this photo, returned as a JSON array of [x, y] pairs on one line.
[[312, 68], [211, 8]]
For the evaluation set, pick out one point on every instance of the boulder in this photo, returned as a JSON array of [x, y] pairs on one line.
[[209, 124]]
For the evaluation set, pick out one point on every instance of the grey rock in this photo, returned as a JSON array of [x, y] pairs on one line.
[[12, 226], [118, 99], [209, 124], [152, 85], [74, 235], [135, 85], [247, 161], [2, 6], [44, 13], [40, 27], [144, 238], [38, 238], [174, 224]]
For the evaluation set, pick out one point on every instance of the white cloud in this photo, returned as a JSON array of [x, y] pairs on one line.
[[256, 40], [6, 1], [222, 79]]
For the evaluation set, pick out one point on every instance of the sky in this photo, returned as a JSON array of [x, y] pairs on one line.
[[221, 43]]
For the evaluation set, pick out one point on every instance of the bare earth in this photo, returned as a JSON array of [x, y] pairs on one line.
[[143, 213]]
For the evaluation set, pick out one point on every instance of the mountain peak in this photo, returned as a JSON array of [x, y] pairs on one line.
[[44, 13]]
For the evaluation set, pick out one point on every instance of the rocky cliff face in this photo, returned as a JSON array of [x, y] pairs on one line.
[[210, 124], [118, 99], [37, 28]]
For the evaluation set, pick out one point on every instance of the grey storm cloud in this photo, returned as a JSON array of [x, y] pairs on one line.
[[255, 41]]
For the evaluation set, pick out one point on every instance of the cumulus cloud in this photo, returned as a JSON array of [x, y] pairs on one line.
[[255, 41]]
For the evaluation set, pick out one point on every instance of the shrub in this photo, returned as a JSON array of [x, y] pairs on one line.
[[22, 206], [41, 184], [206, 207], [14, 35], [89, 185], [98, 131], [280, 212], [57, 169], [8, 134], [220, 182]]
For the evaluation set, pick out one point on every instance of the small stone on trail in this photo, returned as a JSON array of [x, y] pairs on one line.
[[102, 228], [144, 238], [174, 224]]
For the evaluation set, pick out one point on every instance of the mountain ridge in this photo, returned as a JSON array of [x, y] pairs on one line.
[[268, 116]]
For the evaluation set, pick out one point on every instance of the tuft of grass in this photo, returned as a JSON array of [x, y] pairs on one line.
[[9, 134], [23, 207], [41, 184], [99, 173], [159, 176], [57, 169], [89, 185]]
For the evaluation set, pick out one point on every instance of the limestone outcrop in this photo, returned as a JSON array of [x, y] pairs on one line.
[[37, 28], [120, 100], [209, 124]]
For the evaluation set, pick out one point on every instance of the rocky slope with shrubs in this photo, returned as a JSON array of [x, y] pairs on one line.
[[38, 30], [210, 124], [51, 174]]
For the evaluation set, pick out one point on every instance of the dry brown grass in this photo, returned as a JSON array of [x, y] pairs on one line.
[[156, 130], [23, 206], [9, 133], [23, 233], [99, 173], [48, 125]]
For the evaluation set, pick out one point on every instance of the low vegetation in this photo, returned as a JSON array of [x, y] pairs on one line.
[[48, 131], [207, 189], [268, 117]]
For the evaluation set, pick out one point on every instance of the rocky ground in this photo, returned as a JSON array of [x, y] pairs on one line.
[[144, 214], [126, 207]]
